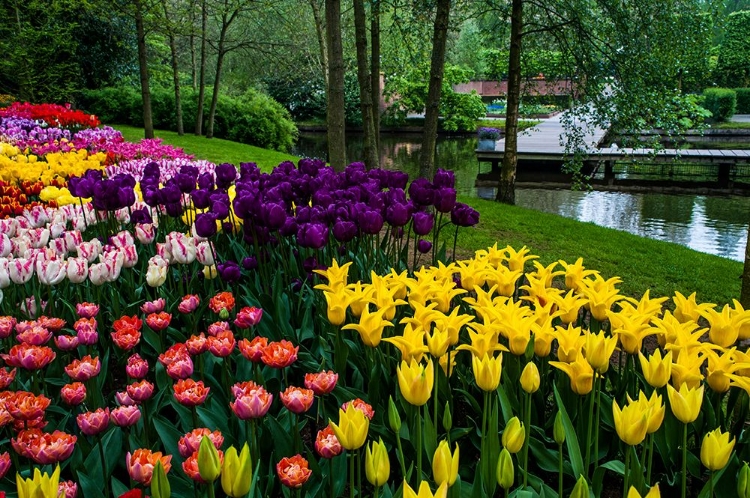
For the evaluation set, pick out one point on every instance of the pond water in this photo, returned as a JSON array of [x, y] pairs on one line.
[[715, 225]]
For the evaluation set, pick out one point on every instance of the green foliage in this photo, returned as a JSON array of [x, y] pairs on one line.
[[550, 63], [252, 118], [743, 100], [721, 102], [408, 94], [733, 66], [687, 112]]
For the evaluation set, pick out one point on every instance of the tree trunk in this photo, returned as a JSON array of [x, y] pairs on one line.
[[432, 106], [215, 96], [176, 78], [335, 117], [363, 77], [375, 71], [148, 122], [320, 32], [193, 66], [506, 188], [202, 77]]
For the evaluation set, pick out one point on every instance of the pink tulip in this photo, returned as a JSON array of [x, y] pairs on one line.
[[21, 270], [125, 416], [78, 270], [93, 423], [145, 233], [137, 367]]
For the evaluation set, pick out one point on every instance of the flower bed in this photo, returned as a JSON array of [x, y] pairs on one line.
[[181, 323]]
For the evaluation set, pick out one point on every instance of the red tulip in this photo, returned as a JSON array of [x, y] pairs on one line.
[[279, 354], [248, 317]]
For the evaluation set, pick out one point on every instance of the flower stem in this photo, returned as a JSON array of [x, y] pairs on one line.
[[588, 432], [560, 471], [419, 445], [684, 461], [527, 433], [597, 412], [625, 475], [104, 465], [351, 475]]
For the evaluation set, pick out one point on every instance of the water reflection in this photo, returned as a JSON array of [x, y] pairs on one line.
[[716, 225]]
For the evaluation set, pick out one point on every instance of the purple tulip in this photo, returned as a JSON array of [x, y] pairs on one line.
[[344, 230], [206, 181], [421, 192], [445, 199], [370, 222], [142, 215], [424, 246], [464, 216], [185, 183], [220, 210], [201, 198], [274, 215], [205, 224], [289, 227], [229, 271], [444, 179], [423, 222], [398, 215], [250, 263], [174, 209], [313, 235], [225, 175]]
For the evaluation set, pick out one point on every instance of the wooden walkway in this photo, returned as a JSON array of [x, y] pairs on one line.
[[544, 143]]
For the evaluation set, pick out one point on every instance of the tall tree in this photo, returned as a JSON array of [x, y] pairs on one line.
[[506, 191], [432, 109], [375, 70], [202, 70], [148, 121], [365, 86], [228, 13], [170, 32], [335, 115]]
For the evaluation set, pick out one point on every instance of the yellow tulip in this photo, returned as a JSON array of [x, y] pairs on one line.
[[719, 368], [601, 294], [236, 473], [569, 343], [740, 316], [445, 465], [377, 463], [487, 371], [544, 334], [575, 273], [453, 323], [685, 403], [398, 282], [209, 465], [383, 297], [424, 491], [598, 349], [538, 292], [516, 260], [337, 305], [352, 429], [513, 435], [631, 328], [652, 493], [505, 471], [40, 486], [657, 409], [443, 361], [716, 449], [415, 381], [580, 372], [336, 275], [530, 378], [569, 306], [722, 331], [656, 369], [483, 340], [504, 278], [438, 342], [631, 422], [370, 326], [686, 309], [687, 369], [359, 297], [443, 293], [411, 343]]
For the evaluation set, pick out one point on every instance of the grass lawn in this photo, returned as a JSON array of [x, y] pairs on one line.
[[642, 263], [215, 149], [731, 125]]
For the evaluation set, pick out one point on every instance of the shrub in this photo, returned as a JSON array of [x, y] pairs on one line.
[[733, 65], [252, 118], [722, 102], [743, 100]]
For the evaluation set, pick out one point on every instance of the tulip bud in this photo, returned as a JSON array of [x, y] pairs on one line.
[[236, 474], [529, 353], [209, 466], [530, 378], [224, 314], [159, 483], [743, 482], [505, 471], [558, 430], [581, 489], [447, 416], [513, 435], [377, 463], [394, 419], [445, 464]]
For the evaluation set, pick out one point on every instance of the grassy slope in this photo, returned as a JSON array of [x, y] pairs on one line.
[[214, 149], [641, 263]]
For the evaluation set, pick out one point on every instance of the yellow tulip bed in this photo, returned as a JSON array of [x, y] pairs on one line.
[[579, 382]]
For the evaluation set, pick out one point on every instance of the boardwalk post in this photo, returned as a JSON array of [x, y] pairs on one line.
[[724, 178]]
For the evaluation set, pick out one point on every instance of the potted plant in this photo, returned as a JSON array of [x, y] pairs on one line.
[[487, 138]]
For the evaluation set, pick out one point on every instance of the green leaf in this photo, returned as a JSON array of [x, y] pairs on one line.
[[430, 435], [571, 439], [90, 487]]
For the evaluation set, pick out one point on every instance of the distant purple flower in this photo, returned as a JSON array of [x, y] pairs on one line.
[[313, 235], [464, 216], [250, 263], [344, 230], [370, 222], [225, 175], [229, 271], [424, 246]]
